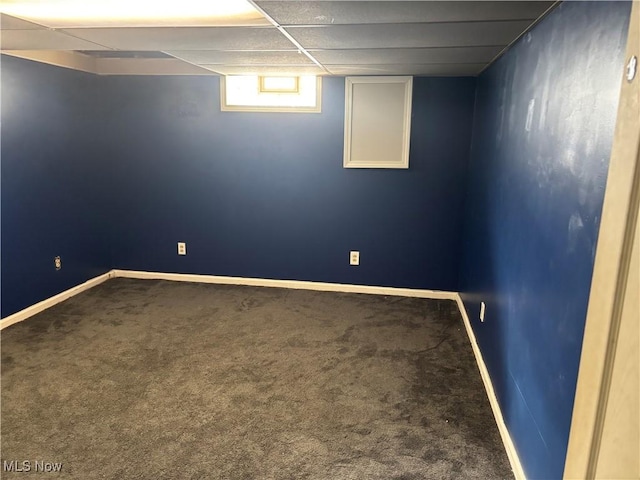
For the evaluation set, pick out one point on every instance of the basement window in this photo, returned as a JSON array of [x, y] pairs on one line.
[[279, 84], [253, 93]]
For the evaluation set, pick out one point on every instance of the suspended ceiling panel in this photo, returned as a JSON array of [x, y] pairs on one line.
[[162, 22], [279, 37], [120, 54], [12, 23], [44, 40], [358, 12], [470, 69], [185, 38], [406, 56], [146, 66], [410, 35], [261, 70], [216, 57], [137, 13]]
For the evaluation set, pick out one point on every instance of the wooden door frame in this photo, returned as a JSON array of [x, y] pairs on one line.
[[615, 240]]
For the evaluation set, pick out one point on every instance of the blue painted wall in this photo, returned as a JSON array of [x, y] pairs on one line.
[[265, 195], [543, 130], [112, 172], [53, 183]]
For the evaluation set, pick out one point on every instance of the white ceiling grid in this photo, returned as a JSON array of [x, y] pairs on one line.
[[310, 37]]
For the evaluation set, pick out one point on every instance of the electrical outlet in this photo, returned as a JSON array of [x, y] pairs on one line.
[[182, 248], [57, 262], [354, 257], [482, 307]]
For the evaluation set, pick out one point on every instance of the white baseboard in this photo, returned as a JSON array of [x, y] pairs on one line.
[[256, 282], [301, 285], [294, 284], [51, 301], [509, 446]]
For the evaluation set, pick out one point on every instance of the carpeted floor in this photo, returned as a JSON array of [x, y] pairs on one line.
[[138, 379]]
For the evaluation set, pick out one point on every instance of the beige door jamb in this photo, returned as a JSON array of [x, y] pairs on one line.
[[610, 276]]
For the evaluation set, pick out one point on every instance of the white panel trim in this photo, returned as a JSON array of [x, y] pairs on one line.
[[51, 301], [509, 446], [294, 284], [403, 156]]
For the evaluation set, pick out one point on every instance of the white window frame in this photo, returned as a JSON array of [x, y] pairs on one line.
[[401, 158], [258, 108], [262, 85]]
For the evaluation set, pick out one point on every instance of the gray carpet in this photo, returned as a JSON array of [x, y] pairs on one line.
[[138, 379]]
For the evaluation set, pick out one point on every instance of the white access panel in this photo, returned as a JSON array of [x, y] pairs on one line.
[[377, 122]]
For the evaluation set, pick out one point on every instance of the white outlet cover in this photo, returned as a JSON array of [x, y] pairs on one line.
[[482, 308], [182, 248], [354, 257]]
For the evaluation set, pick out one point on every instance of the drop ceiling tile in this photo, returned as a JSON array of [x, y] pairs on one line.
[[147, 66], [180, 38], [58, 14], [62, 23], [120, 54], [431, 70], [364, 12], [406, 56], [7, 22], [263, 70], [214, 57], [43, 40], [409, 35]]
